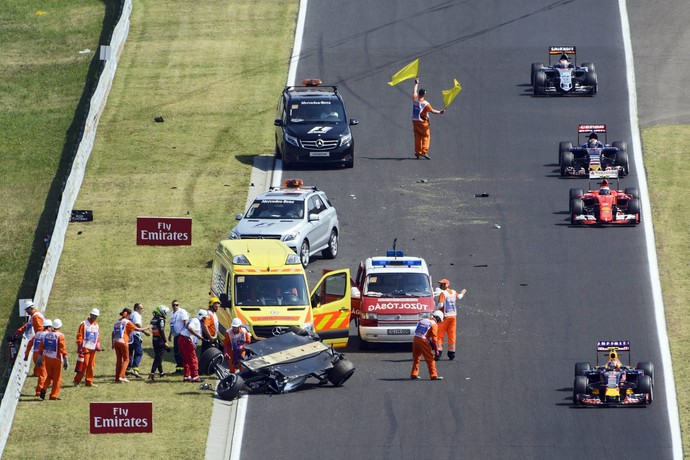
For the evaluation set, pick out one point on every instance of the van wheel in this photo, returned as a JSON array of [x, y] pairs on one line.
[[332, 250], [304, 253]]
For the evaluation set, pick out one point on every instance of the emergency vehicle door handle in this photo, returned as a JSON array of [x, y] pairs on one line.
[[344, 309]]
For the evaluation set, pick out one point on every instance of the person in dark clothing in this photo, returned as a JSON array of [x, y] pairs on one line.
[[160, 345]]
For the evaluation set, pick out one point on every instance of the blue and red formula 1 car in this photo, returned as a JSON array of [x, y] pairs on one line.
[[591, 154], [605, 206], [613, 383]]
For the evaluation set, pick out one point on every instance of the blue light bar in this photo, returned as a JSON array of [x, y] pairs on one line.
[[397, 263], [394, 253]]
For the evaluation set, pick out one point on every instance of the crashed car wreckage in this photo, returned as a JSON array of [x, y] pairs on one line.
[[278, 365]]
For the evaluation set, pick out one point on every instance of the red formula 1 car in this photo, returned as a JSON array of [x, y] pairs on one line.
[[605, 206], [613, 383]]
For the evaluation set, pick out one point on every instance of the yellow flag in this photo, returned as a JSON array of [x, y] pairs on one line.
[[449, 94], [409, 71]]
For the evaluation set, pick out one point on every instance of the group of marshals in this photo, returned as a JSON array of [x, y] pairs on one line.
[[430, 332], [46, 344]]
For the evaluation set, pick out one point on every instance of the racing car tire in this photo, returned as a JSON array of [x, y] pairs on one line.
[[304, 253], [577, 207], [634, 206], [591, 79], [576, 193], [647, 368], [632, 191], [622, 161], [563, 146], [209, 359], [589, 66], [566, 161], [539, 82], [341, 372], [620, 145], [579, 387], [536, 66], [229, 388], [644, 385], [332, 250], [582, 367]]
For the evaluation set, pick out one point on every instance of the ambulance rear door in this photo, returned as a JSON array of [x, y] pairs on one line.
[[330, 303]]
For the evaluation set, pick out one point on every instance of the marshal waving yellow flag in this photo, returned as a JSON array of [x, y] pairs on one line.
[[409, 71], [449, 94]]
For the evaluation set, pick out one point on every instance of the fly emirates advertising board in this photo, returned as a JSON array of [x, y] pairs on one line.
[[164, 231]]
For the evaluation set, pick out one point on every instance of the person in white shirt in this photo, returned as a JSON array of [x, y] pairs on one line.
[[189, 338], [178, 320]]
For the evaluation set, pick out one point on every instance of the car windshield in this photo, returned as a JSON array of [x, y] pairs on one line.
[[397, 285], [322, 111], [273, 290], [276, 209]]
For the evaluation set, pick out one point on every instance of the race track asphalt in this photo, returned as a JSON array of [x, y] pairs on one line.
[[540, 293]]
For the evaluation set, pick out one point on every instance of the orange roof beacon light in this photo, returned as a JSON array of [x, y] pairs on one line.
[[311, 82], [293, 183]]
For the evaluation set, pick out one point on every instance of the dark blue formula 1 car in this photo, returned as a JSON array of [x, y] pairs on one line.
[[613, 383]]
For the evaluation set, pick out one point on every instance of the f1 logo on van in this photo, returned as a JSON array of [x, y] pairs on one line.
[[164, 231]]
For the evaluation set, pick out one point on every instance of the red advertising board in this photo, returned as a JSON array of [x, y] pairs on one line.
[[121, 417], [164, 231]]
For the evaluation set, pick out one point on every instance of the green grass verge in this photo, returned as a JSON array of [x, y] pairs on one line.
[[42, 75], [667, 153], [213, 71]]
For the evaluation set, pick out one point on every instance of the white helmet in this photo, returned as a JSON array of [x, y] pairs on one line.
[[57, 324], [201, 314], [438, 314], [236, 322], [47, 323], [95, 312]]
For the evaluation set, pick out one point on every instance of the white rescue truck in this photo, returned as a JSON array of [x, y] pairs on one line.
[[396, 293]]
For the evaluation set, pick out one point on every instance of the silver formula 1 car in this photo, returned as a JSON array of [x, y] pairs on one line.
[[278, 365], [612, 383], [563, 76]]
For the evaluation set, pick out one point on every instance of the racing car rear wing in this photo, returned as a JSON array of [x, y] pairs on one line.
[[591, 128], [608, 346], [562, 50], [618, 345], [556, 51], [583, 132]]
